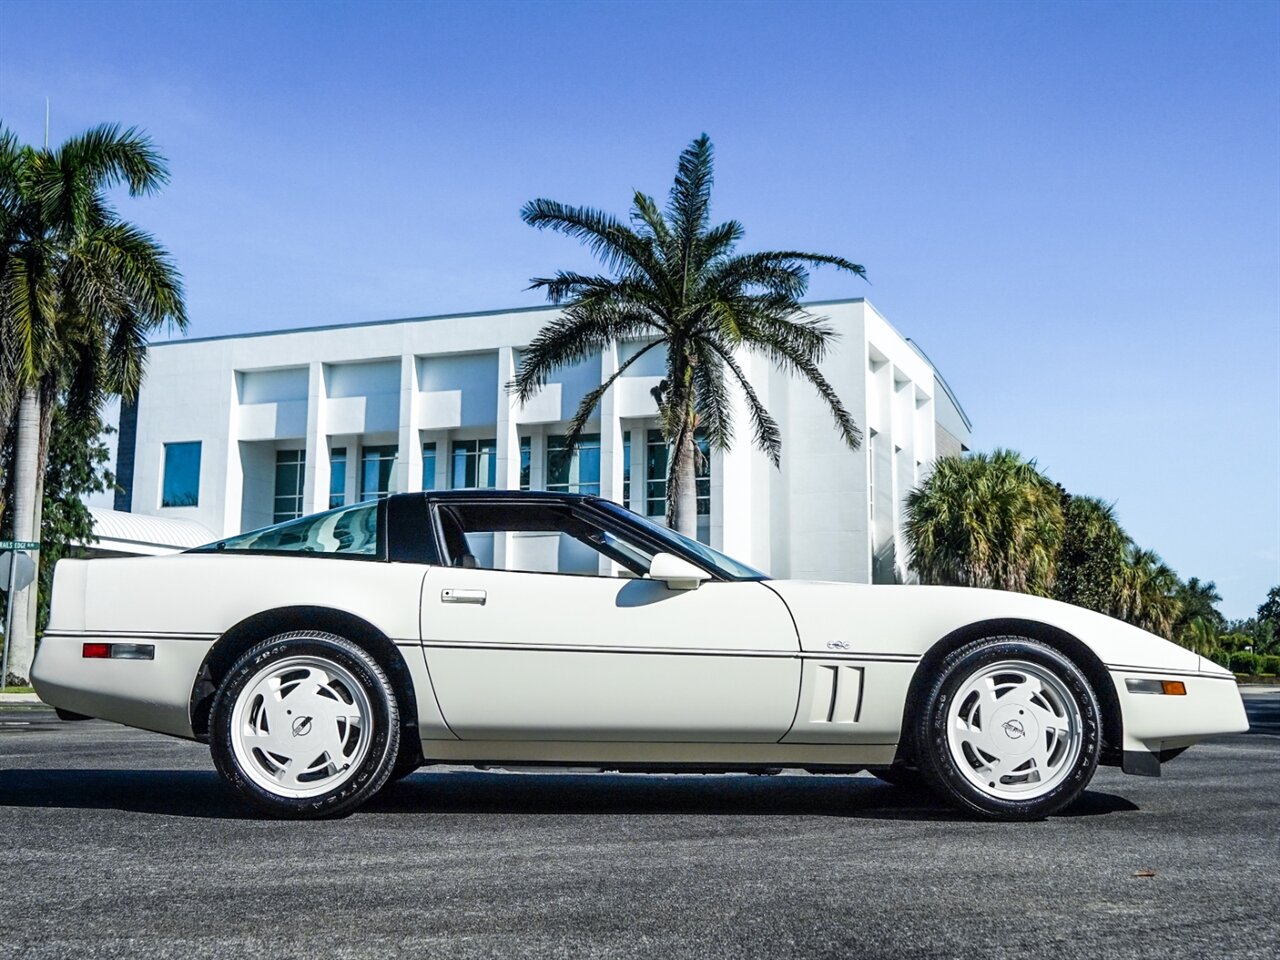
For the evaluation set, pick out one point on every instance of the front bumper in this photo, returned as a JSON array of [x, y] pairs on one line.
[[1157, 726]]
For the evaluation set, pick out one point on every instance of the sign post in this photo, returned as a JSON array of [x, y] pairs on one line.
[[13, 546]]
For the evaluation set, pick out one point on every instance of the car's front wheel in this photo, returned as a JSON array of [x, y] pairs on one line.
[[305, 725], [1009, 729]]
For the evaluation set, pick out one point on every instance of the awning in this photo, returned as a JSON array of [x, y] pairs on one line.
[[136, 533]]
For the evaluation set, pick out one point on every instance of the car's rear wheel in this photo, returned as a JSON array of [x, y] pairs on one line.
[[305, 725], [1010, 729]]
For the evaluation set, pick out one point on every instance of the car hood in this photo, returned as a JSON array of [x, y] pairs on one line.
[[907, 619]]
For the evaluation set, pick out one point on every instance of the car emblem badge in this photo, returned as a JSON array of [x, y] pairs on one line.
[[1013, 729], [301, 726], [837, 645]]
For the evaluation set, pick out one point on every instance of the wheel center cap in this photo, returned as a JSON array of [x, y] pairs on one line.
[[1015, 729], [301, 726]]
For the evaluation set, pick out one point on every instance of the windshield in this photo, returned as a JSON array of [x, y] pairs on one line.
[[351, 530], [714, 560]]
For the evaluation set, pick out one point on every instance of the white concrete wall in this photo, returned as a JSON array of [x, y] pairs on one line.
[[444, 379]]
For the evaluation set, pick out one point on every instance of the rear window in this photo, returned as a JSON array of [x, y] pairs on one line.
[[347, 531]]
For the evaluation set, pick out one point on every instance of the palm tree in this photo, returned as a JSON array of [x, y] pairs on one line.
[[1092, 554], [986, 521], [1201, 636], [1146, 593], [80, 292], [674, 279]]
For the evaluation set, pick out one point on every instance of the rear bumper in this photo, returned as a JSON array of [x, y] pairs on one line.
[[150, 694], [1157, 726]]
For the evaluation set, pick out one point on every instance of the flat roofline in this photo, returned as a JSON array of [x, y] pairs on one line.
[[383, 323]]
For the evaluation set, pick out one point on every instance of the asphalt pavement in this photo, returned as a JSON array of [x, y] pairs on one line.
[[117, 843]]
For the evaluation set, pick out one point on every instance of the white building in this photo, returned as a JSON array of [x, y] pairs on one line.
[[234, 433]]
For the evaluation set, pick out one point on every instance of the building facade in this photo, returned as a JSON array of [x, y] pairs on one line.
[[239, 432]]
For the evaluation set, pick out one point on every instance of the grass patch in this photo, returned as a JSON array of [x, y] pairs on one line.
[[17, 690]]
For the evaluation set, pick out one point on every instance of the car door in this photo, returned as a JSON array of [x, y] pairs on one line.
[[520, 654]]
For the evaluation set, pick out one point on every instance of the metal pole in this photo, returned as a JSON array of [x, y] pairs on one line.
[[8, 615]]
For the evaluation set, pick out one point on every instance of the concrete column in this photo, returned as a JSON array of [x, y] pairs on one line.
[[610, 442], [315, 484], [731, 487], [233, 468], [507, 473], [409, 459], [610, 430]]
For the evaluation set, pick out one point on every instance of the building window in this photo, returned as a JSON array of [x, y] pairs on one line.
[[337, 477], [655, 469], [475, 464], [291, 468], [626, 468], [578, 472], [429, 466], [376, 466], [181, 487], [526, 460]]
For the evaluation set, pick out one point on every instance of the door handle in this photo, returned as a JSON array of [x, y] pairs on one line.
[[449, 595]]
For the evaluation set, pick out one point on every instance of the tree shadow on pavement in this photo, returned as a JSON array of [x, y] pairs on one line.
[[193, 793]]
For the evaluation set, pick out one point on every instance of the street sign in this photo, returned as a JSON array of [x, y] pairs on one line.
[[19, 545], [25, 574]]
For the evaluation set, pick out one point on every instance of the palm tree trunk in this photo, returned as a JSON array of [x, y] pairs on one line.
[[26, 470], [682, 485]]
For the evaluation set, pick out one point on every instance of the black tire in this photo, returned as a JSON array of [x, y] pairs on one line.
[[999, 801], [352, 786]]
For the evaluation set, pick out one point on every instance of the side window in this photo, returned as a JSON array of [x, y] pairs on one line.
[[535, 538]]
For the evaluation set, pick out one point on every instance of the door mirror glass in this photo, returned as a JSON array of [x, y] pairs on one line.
[[678, 573]]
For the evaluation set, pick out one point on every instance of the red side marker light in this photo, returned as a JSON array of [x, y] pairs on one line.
[[97, 651]]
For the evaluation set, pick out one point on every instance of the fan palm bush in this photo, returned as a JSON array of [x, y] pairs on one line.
[[986, 520], [675, 281]]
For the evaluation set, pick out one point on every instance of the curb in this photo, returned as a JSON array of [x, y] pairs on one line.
[[19, 698]]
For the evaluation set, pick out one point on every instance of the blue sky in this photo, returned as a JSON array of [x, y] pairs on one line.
[[1075, 208]]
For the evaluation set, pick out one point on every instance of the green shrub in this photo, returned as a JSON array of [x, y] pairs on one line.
[[1269, 664], [1244, 661]]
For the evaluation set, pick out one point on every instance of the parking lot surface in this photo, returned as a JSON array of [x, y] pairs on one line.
[[117, 843]]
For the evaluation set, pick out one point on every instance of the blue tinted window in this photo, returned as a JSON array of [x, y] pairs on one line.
[[337, 477], [578, 472], [429, 466], [181, 475], [291, 468], [475, 464], [376, 466]]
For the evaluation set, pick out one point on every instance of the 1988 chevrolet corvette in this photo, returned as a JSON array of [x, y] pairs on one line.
[[321, 657]]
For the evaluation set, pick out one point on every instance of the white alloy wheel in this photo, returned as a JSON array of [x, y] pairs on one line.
[[1008, 727], [1014, 730], [301, 726]]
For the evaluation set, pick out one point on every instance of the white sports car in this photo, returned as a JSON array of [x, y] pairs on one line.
[[321, 657]]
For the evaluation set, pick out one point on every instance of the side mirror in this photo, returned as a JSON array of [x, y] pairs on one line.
[[679, 574]]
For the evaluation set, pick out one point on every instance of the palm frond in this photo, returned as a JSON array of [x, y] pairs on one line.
[[689, 204], [589, 402], [768, 436], [581, 331]]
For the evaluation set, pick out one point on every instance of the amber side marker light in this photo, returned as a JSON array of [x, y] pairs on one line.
[[119, 651], [1170, 688]]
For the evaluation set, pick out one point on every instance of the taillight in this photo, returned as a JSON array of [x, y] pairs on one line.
[[119, 651]]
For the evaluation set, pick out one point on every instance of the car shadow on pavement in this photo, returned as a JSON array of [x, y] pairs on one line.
[[195, 793]]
